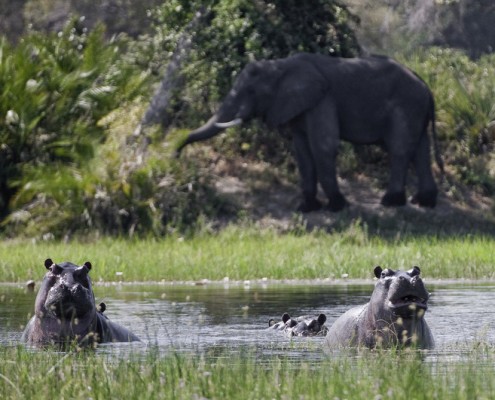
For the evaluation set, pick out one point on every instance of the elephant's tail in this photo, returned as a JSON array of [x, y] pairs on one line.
[[438, 157]]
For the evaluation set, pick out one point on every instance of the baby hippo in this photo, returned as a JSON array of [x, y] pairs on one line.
[[309, 326], [287, 322], [300, 326]]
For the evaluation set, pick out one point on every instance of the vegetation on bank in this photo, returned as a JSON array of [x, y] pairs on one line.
[[247, 254], [70, 102], [371, 375]]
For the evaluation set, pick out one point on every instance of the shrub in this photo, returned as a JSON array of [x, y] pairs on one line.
[[463, 91], [55, 88]]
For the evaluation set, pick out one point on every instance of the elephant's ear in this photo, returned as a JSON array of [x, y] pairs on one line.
[[300, 88]]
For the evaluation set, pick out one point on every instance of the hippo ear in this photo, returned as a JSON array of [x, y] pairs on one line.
[[415, 271], [322, 318], [102, 307], [87, 264], [271, 322], [48, 263], [285, 317], [378, 271]]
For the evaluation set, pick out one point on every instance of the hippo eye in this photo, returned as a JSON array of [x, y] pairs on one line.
[[56, 269], [387, 272], [81, 275]]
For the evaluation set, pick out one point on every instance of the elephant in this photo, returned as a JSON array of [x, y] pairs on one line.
[[318, 100]]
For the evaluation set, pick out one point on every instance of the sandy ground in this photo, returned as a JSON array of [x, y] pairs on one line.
[[272, 202]]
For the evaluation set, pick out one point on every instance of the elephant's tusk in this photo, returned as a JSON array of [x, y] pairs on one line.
[[224, 125]]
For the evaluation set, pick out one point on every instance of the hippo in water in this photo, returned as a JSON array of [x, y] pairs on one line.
[[300, 326], [65, 311], [287, 322], [394, 315]]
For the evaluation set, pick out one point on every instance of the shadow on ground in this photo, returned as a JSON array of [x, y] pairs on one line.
[[269, 201]]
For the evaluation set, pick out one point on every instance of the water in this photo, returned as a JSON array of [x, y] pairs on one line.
[[220, 320]]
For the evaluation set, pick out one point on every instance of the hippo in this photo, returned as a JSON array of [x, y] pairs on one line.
[[287, 322], [393, 317], [65, 311], [300, 326], [309, 326]]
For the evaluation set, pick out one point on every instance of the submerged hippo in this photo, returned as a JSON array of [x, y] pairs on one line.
[[287, 322], [300, 326], [65, 311], [393, 316]]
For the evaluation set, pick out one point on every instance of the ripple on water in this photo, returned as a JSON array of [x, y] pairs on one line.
[[220, 321]]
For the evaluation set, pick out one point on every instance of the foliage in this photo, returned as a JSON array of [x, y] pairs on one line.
[[68, 165], [70, 101], [468, 25], [236, 32], [463, 91], [388, 26], [55, 88]]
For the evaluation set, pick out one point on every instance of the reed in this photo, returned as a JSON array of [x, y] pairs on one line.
[[247, 253], [367, 375]]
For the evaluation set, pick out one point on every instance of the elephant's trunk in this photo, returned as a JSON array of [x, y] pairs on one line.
[[208, 130]]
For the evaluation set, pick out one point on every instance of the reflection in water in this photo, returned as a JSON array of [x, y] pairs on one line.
[[221, 320]]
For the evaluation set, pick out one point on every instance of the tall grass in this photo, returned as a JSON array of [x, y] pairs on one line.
[[245, 253], [369, 375]]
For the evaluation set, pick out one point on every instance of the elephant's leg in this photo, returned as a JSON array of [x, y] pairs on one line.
[[307, 174], [427, 188], [397, 144], [323, 136], [395, 195]]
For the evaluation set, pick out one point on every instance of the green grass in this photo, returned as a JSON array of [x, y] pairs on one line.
[[247, 253], [370, 375]]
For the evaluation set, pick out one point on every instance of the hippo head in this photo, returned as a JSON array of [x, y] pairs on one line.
[[310, 326], [66, 293], [401, 293], [287, 322]]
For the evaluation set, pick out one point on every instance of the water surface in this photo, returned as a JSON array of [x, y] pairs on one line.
[[221, 319]]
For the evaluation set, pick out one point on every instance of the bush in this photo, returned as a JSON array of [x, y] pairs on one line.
[[55, 88], [463, 91]]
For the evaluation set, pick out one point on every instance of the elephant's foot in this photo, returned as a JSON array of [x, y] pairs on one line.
[[309, 205], [396, 199], [425, 199], [337, 203]]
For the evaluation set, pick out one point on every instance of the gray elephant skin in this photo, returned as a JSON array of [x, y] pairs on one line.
[[394, 316], [300, 326], [318, 100], [65, 311]]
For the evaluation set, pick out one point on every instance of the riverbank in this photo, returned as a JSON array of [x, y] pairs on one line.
[[246, 253]]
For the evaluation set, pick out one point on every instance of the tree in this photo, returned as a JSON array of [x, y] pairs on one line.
[[469, 25], [238, 31]]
